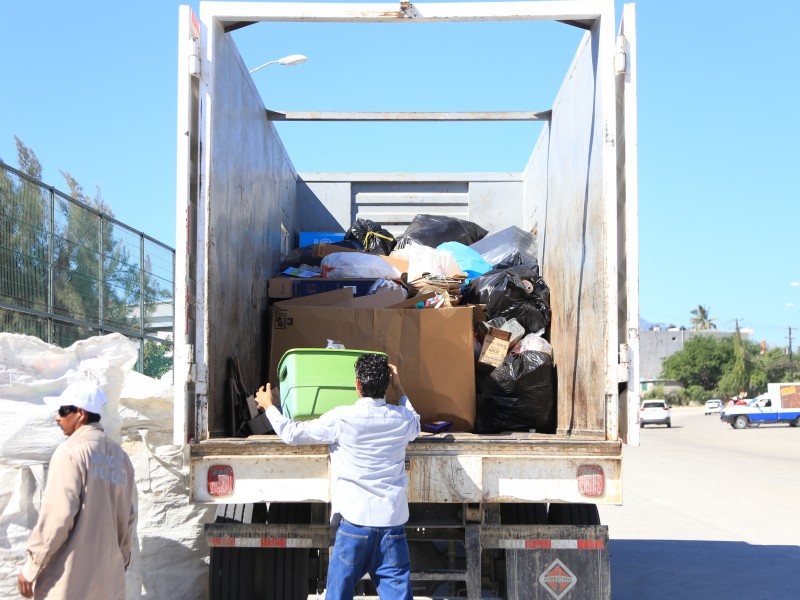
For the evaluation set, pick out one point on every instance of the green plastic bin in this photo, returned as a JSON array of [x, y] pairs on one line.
[[313, 381]]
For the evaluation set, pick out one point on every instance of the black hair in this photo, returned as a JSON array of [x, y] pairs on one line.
[[92, 417], [372, 372]]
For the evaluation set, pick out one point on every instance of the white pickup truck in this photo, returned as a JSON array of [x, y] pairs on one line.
[[781, 404]]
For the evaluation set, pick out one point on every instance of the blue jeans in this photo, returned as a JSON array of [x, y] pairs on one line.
[[380, 551]]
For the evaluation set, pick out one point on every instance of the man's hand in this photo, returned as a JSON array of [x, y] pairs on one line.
[[267, 397], [25, 586], [395, 381]]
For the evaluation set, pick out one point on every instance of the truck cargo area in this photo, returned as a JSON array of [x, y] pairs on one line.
[[507, 514]]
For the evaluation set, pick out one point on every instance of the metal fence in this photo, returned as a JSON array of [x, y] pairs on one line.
[[68, 272]]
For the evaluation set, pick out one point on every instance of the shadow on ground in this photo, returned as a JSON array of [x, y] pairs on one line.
[[700, 570]]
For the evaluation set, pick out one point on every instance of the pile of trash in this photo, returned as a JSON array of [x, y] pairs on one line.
[[446, 262]]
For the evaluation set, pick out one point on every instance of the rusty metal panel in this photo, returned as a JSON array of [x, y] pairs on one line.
[[542, 115], [266, 479], [248, 192], [565, 193], [236, 14]]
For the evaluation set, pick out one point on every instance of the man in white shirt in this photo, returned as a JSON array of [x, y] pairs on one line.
[[369, 500]]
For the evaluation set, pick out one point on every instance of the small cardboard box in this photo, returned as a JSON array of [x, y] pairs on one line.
[[495, 347], [432, 348]]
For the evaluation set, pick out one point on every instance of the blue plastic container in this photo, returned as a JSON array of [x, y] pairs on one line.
[[307, 238]]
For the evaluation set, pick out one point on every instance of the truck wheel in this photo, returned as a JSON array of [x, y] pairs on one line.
[[573, 514], [283, 573], [740, 422], [524, 513], [795, 423]]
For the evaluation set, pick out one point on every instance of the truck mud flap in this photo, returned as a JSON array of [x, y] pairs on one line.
[[553, 562]]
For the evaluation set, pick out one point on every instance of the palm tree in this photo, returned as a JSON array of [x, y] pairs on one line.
[[701, 321]]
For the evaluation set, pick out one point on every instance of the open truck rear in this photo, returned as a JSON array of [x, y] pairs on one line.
[[507, 516]]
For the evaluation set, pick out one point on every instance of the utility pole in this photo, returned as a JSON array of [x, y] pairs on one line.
[[791, 362]]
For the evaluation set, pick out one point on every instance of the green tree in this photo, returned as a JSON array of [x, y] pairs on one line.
[[701, 320], [157, 359], [702, 362], [771, 367], [96, 275], [23, 244], [742, 365]]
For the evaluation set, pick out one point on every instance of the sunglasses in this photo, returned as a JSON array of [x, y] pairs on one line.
[[63, 411]]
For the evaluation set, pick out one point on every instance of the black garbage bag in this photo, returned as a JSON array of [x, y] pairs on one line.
[[432, 230], [372, 237], [515, 293], [518, 396], [305, 255], [516, 259]]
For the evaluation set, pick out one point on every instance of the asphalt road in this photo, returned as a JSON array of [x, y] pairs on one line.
[[709, 513]]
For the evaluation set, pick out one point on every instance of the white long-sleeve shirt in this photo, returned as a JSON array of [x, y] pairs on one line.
[[368, 447]]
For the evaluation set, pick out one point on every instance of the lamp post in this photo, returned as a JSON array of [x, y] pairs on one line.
[[288, 61]]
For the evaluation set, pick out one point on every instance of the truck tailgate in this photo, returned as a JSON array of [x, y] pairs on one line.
[[456, 467]]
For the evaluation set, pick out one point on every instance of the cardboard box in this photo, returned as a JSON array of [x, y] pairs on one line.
[[432, 348], [296, 287], [322, 250], [495, 347]]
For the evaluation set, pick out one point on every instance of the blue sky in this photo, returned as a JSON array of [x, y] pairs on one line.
[[91, 89]]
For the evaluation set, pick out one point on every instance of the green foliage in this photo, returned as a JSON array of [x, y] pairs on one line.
[[724, 367], [157, 359], [74, 263], [655, 393], [702, 362], [740, 373], [697, 393], [701, 320]]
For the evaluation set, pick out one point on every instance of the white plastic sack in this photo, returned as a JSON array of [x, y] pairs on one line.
[[423, 259], [358, 265], [29, 370], [533, 342]]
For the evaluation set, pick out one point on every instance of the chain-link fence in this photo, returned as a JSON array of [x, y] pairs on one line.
[[68, 272]]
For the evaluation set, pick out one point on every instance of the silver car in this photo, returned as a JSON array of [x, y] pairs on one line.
[[713, 406], [655, 412]]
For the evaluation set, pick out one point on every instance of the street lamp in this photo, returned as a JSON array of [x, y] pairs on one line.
[[289, 61]]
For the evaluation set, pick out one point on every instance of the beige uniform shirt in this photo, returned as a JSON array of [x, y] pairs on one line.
[[81, 545]]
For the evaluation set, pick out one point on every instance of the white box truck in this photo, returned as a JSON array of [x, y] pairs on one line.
[[506, 516]]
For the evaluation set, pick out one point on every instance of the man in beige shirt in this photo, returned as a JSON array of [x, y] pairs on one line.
[[81, 544]]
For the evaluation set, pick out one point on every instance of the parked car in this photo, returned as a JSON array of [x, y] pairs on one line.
[[655, 412], [713, 406]]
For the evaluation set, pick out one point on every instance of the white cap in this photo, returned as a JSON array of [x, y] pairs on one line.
[[83, 394]]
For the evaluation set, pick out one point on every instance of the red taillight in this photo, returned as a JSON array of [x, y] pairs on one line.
[[666, 408], [591, 480], [220, 480]]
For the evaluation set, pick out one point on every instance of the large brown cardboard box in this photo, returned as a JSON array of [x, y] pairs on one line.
[[432, 348]]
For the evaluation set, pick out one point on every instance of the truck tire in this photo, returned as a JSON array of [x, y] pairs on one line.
[[741, 422], [283, 573], [230, 573], [573, 514], [795, 423], [524, 513]]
